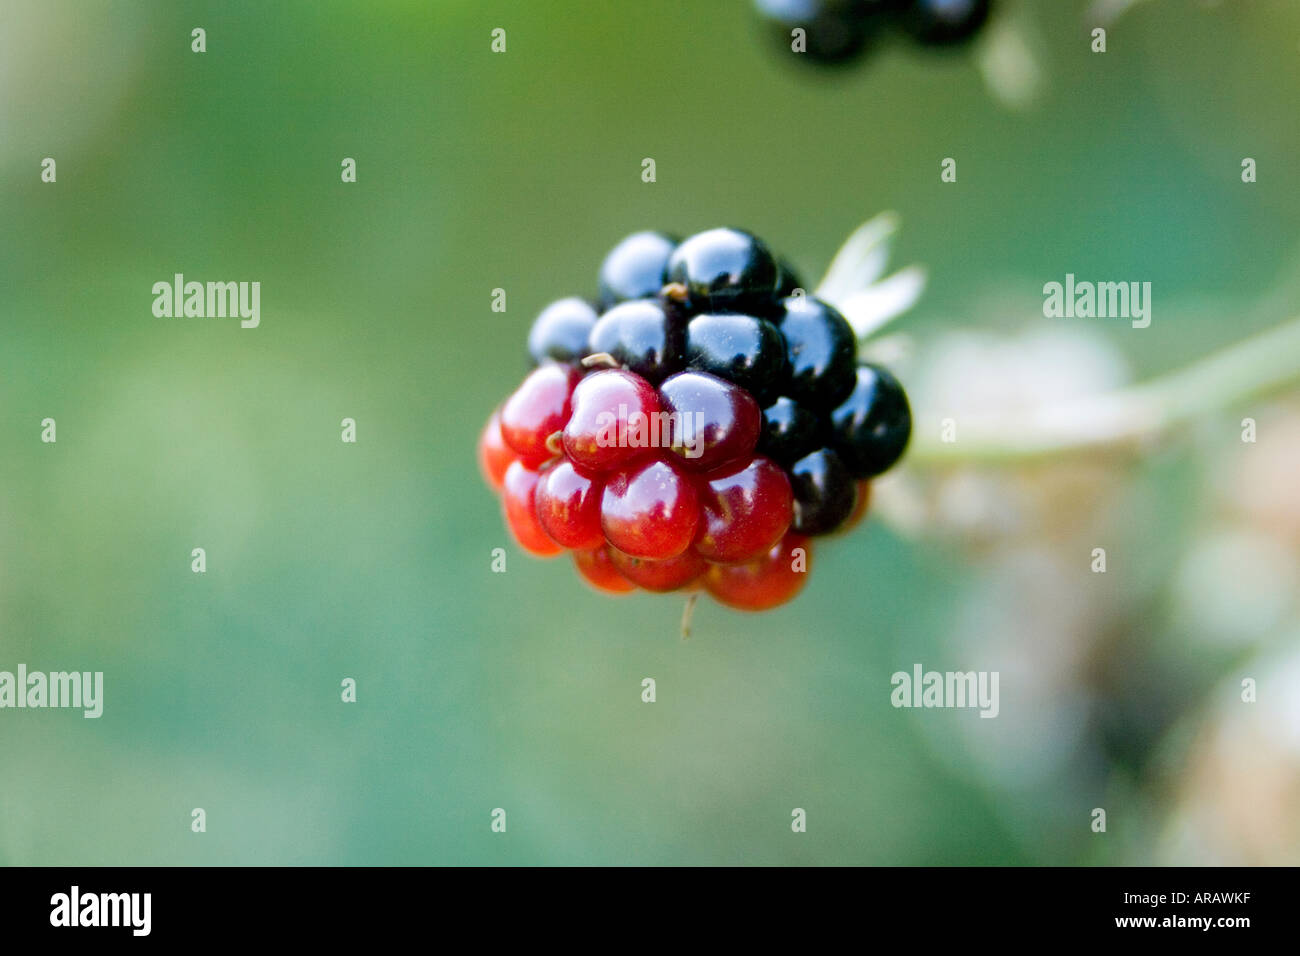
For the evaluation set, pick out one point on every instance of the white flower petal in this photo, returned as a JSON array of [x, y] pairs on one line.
[[860, 261], [870, 309]]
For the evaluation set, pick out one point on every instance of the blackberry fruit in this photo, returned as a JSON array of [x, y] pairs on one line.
[[736, 426]]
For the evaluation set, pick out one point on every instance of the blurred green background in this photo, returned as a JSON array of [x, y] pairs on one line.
[[522, 690]]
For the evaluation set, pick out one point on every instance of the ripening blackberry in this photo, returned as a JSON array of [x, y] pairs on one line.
[[838, 32], [700, 431]]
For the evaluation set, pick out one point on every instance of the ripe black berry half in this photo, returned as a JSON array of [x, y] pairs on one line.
[[740, 348], [724, 270], [642, 335], [822, 351], [942, 22], [871, 428], [561, 331], [790, 431], [787, 280], [634, 269], [824, 492]]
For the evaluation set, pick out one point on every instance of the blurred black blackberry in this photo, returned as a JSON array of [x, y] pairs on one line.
[[838, 32], [942, 22], [835, 32]]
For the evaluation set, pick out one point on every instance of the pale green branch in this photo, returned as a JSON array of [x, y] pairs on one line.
[[1248, 370]]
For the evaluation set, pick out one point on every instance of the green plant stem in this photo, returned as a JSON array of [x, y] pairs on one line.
[[1248, 370]]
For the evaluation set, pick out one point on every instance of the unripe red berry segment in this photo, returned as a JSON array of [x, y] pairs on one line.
[[568, 506], [671, 574], [773, 579], [650, 510], [494, 455], [615, 419], [743, 512], [537, 410], [518, 501], [713, 421], [598, 570]]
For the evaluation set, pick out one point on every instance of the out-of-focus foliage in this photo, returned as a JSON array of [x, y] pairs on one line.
[[476, 690]]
